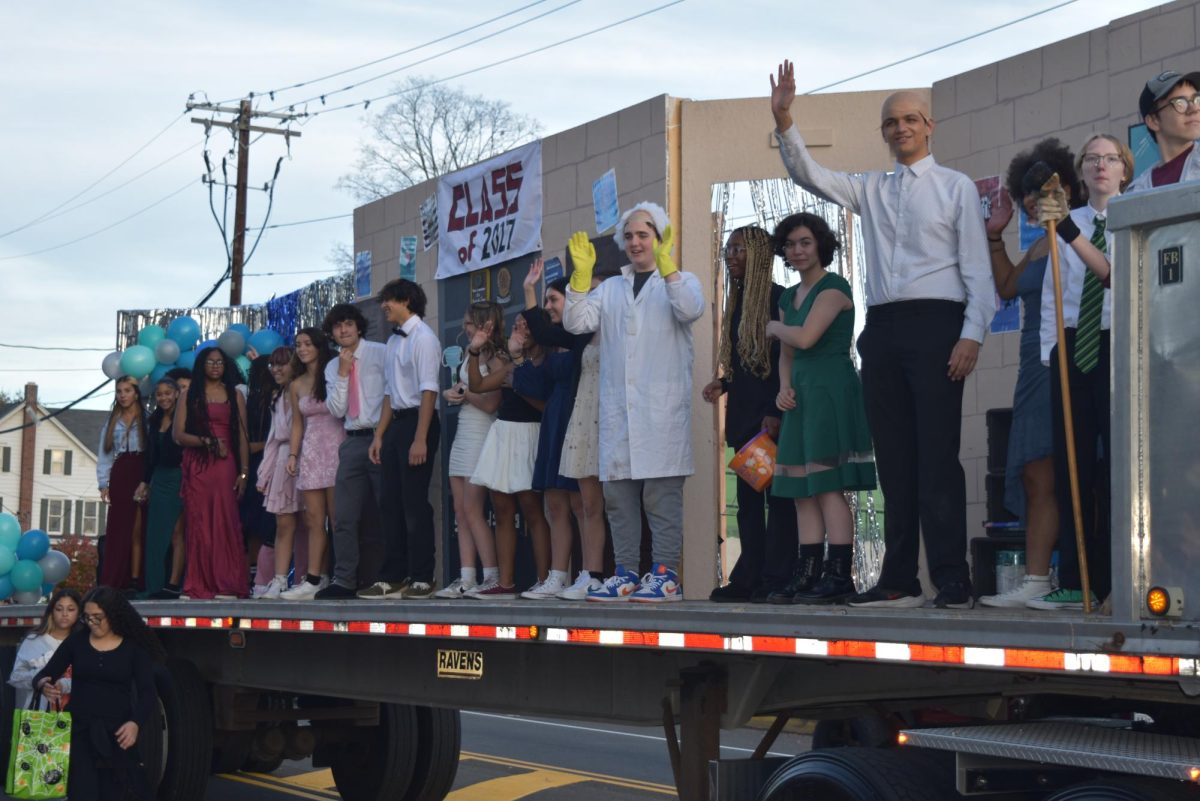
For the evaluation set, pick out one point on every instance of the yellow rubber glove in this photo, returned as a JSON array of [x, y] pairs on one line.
[[583, 257], [662, 253]]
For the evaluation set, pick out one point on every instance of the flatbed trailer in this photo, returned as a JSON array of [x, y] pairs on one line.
[[925, 703]]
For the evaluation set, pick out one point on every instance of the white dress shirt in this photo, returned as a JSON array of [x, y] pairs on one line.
[[1073, 271], [370, 359], [923, 229], [413, 361]]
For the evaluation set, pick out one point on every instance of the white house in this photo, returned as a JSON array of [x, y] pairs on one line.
[[48, 470]]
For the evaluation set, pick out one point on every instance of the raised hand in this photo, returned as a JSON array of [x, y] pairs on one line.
[[783, 92], [1002, 214], [480, 337], [535, 273], [662, 253], [583, 257]]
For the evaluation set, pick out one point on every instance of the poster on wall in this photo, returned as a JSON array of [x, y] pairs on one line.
[[1030, 231], [552, 270], [604, 201], [490, 212], [362, 273], [408, 257], [429, 221], [1008, 312]]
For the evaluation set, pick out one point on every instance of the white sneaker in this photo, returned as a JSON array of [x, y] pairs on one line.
[[456, 590], [1016, 598], [305, 590], [273, 589], [257, 590], [578, 591], [546, 590]]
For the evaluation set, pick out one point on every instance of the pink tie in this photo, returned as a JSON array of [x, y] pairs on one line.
[[352, 403]]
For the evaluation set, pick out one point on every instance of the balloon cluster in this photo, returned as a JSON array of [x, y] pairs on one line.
[[160, 350], [28, 568]]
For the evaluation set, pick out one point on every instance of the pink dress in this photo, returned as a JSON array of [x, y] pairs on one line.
[[323, 435], [279, 488], [216, 556]]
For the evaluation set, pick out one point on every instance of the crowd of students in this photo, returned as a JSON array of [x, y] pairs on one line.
[[580, 414]]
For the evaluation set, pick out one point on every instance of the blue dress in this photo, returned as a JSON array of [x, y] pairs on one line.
[[1029, 438], [553, 382]]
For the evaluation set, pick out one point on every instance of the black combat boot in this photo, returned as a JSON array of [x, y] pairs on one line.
[[835, 586], [804, 578]]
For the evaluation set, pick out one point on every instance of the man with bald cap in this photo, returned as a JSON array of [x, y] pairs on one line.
[[930, 301]]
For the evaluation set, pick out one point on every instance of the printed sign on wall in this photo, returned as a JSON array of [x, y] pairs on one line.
[[408, 257], [362, 273], [490, 212]]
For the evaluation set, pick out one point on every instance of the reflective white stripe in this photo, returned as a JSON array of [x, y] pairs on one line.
[[274, 625], [1096, 663], [506, 633], [416, 629], [306, 625], [460, 631], [812, 647], [892, 650], [556, 635], [985, 657], [612, 637], [739, 644], [217, 622], [670, 639], [164, 621], [1187, 667], [379, 628], [190, 622]]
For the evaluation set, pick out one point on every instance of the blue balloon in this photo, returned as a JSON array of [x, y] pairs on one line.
[[26, 576], [265, 341], [33, 546], [241, 328], [159, 372], [6, 588], [151, 335], [210, 343], [10, 531], [47, 589], [186, 360], [185, 331]]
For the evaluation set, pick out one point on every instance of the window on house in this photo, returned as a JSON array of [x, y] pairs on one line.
[[90, 523], [6, 459], [56, 462], [55, 515]]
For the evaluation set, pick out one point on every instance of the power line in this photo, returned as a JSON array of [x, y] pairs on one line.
[[301, 222], [272, 92], [940, 47], [322, 97], [46, 347], [98, 231], [542, 49], [90, 186], [334, 271], [57, 412]]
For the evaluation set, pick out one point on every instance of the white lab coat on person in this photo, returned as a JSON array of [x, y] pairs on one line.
[[645, 371]]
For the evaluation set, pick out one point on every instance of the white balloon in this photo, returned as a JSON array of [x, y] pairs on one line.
[[166, 351], [112, 365]]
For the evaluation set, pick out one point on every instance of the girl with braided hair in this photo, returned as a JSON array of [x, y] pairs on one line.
[[748, 377]]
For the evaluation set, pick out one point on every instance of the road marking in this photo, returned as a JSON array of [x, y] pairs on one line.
[[511, 788], [517, 719], [314, 779], [636, 784], [278, 786]]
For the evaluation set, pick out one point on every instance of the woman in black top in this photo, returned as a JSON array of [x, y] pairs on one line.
[[112, 696], [160, 486]]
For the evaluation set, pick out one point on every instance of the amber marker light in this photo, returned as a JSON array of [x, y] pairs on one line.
[[1194, 774], [902, 739], [1165, 601]]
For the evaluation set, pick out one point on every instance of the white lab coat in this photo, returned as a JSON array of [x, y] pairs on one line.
[[645, 371]]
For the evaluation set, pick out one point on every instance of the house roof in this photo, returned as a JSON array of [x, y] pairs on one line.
[[84, 425]]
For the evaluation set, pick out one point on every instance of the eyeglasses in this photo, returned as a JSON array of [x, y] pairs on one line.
[[93, 619], [733, 251], [1108, 160], [214, 363], [1181, 104]]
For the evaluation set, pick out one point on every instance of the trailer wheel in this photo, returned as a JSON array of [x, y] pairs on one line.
[[1132, 789], [183, 736], [863, 774], [439, 740], [868, 731], [377, 764]]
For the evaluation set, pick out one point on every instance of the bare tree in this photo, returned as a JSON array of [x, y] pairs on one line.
[[429, 130]]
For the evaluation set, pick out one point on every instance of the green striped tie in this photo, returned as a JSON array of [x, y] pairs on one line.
[[1091, 302]]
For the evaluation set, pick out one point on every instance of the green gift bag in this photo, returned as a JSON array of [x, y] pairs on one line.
[[41, 752]]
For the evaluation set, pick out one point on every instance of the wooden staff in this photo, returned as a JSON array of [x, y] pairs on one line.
[[1068, 421]]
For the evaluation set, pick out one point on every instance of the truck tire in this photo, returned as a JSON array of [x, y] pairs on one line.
[[378, 763], [864, 774], [439, 738], [1132, 789], [868, 731], [185, 733]]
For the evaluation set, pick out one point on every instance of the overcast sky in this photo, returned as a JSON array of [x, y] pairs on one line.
[[84, 85]]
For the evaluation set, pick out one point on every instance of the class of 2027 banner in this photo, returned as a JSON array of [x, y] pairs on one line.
[[490, 212]]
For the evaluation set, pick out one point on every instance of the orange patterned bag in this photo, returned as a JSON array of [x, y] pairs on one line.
[[755, 462]]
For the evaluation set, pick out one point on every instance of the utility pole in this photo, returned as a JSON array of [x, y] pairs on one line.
[[241, 124]]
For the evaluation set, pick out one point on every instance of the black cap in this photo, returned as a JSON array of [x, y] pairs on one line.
[[1160, 86]]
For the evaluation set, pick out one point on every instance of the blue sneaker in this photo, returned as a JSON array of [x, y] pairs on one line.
[[619, 587], [659, 585]]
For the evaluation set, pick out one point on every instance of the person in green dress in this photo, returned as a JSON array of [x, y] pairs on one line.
[[825, 443]]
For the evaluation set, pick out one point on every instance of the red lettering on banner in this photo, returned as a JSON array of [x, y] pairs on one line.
[[472, 215], [499, 188], [513, 182], [456, 222], [485, 215]]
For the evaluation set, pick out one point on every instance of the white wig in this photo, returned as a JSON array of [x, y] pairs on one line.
[[657, 214]]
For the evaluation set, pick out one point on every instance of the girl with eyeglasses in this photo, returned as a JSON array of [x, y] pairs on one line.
[[211, 427], [119, 470]]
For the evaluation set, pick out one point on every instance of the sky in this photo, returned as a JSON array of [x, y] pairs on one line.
[[86, 85]]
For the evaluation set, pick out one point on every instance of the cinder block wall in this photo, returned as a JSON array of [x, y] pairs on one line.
[[1069, 89]]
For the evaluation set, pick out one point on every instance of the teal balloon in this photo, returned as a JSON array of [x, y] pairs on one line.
[[8, 558], [151, 335], [186, 360], [47, 589], [243, 365], [6, 588], [185, 331], [265, 341], [138, 361], [26, 576], [167, 351], [55, 566], [10, 532], [33, 545]]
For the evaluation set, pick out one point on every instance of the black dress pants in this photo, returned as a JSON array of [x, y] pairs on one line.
[[915, 414], [409, 534], [767, 529]]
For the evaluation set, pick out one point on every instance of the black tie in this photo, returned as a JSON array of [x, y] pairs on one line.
[[398, 330]]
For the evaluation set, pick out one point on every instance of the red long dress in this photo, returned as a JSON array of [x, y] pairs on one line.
[[216, 559]]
